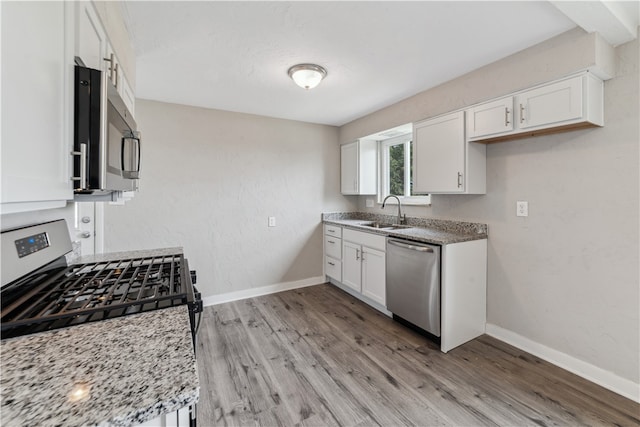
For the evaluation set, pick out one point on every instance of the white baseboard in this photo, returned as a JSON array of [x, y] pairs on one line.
[[264, 290], [606, 379]]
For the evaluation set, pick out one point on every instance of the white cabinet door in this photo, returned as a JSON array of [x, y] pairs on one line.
[[349, 168], [351, 265], [544, 106], [491, 118], [127, 94], [439, 154], [374, 274], [358, 167], [91, 41], [37, 103]]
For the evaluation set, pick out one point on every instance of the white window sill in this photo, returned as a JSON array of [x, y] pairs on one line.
[[407, 202]]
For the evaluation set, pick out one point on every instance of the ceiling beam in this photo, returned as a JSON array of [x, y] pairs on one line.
[[616, 21]]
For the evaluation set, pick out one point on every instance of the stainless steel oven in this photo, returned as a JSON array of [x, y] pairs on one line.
[[107, 150]]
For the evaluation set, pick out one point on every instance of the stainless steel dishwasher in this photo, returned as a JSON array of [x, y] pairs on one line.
[[413, 283]]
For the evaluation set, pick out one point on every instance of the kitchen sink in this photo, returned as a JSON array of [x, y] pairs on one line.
[[383, 226]]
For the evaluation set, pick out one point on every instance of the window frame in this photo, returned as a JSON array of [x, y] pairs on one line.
[[383, 182]]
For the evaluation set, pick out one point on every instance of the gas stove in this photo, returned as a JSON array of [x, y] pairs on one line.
[[55, 295]]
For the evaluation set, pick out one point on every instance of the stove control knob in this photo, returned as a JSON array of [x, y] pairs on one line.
[[85, 220], [86, 234]]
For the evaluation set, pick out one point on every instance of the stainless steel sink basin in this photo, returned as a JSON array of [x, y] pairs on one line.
[[383, 226]]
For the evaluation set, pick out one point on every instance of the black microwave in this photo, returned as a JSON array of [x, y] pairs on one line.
[[106, 140]]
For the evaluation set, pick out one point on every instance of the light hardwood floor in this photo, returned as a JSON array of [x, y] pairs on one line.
[[317, 356]]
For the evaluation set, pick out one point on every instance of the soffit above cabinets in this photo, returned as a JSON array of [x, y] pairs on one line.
[[616, 21], [235, 55]]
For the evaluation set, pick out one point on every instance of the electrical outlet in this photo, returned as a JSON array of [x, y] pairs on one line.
[[272, 221], [522, 208]]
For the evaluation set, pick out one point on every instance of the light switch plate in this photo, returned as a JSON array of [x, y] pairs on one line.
[[522, 208]]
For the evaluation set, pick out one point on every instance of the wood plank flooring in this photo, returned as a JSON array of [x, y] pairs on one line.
[[317, 356]]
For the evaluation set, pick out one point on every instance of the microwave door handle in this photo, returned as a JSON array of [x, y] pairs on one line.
[[139, 155], [129, 174]]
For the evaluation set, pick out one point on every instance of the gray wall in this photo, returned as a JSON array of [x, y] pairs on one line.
[[210, 179], [567, 276]]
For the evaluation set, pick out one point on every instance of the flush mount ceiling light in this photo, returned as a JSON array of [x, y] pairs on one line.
[[307, 76]]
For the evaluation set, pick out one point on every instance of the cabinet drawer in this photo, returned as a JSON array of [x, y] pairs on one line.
[[333, 247], [333, 268], [370, 240], [333, 230]]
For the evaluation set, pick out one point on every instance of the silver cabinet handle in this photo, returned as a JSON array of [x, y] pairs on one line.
[[331, 241], [86, 234], [521, 113], [330, 263], [411, 247], [115, 83], [357, 254], [111, 62], [83, 166], [459, 179], [506, 116], [330, 230]]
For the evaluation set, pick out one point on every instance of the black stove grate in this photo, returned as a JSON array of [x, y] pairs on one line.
[[95, 291]]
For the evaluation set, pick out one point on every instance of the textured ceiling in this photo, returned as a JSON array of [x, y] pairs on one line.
[[234, 55]]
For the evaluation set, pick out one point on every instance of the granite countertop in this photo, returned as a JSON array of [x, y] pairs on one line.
[[427, 230], [116, 372], [114, 256]]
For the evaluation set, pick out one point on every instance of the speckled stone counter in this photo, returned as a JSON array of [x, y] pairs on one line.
[[116, 372], [428, 230], [111, 256]]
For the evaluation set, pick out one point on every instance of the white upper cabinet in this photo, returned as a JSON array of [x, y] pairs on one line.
[[444, 162], [571, 103], [37, 105], [358, 166], [95, 50], [491, 118], [555, 103], [91, 42]]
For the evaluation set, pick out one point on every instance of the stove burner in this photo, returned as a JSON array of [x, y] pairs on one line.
[[96, 291]]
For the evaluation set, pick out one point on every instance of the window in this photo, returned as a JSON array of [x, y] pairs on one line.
[[396, 167]]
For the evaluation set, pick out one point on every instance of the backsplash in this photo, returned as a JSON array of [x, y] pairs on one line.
[[440, 224]]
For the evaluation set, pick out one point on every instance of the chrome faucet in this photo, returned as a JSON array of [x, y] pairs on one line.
[[401, 218]]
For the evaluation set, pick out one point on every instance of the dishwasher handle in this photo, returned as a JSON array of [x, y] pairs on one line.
[[411, 247]]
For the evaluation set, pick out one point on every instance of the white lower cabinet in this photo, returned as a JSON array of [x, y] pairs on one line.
[[373, 275], [352, 266], [364, 271], [463, 297], [333, 251], [179, 418], [360, 264]]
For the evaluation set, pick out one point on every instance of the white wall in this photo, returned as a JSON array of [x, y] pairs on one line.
[[566, 277], [14, 220], [210, 179]]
